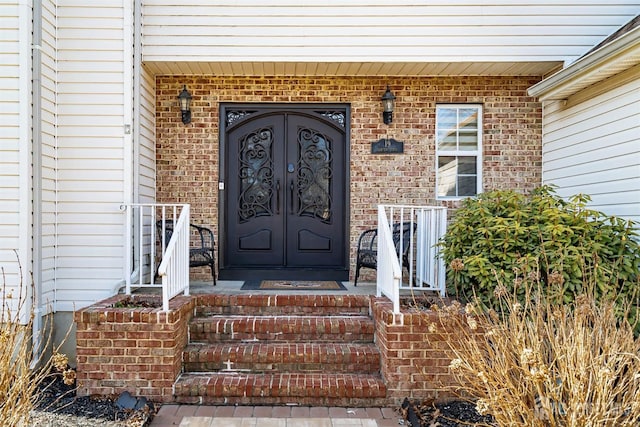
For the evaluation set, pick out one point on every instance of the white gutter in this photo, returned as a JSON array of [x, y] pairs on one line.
[[127, 74], [619, 55], [24, 245], [128, 94], [36, 159], [137, 71]]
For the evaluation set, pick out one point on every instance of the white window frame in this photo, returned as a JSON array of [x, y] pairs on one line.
[[477, 153]]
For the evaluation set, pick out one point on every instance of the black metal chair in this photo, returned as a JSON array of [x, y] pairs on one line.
[[201, 250], [367, 255]]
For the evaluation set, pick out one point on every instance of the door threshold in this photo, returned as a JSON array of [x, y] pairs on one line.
[[283, 274]]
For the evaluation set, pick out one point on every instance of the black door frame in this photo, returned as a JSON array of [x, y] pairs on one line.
[[234, 113]]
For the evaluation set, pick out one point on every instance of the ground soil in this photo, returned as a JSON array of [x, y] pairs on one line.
[[58, 405], [452, 414]]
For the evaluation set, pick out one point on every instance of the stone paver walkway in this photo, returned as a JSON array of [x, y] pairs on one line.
[[273, 416]]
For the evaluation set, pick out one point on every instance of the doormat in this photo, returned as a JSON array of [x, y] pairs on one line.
[[292, 285]]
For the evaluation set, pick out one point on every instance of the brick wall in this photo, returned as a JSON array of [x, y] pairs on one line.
[[133, 349], [140, 350], [187, 156], [414, 360]]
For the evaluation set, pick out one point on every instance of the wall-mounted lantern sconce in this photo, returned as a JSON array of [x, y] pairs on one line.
[[387, 106], [185, 105], [387, 145]]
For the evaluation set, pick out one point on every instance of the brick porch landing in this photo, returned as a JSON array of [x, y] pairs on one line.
[[231, 287]]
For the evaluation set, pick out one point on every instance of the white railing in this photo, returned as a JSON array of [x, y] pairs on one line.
[[389, 272], [174, 268], [150, 255], [418, 253]]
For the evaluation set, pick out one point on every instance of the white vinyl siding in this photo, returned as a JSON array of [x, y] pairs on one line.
[[458, 150], [91, 146], [591, 145], [9, 138], [49, 153], [377, 30], [147, 141], [15, 148]]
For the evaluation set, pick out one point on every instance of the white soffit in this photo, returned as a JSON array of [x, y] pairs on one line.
[[611, 59], [400, 69]]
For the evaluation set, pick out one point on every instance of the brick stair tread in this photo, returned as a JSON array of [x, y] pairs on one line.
[[212, 304], [280, 385], [351, 328], [264, 357], [281, 350]]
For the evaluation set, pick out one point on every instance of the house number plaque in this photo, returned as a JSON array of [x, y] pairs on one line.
[[387, 146]]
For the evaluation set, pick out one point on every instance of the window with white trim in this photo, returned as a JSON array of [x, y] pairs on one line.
[[458, 150]]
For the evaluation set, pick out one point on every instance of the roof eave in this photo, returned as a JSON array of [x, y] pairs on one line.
[[619, 55]]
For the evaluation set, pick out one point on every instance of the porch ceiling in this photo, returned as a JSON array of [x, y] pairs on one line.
[[354, 68]]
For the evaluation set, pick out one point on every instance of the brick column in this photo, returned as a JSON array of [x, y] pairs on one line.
[[414, 360], [134, 349]]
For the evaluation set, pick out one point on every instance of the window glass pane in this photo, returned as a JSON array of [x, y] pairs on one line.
[[446, 140], [467, 165], [447, 117], [447, 172], [467, 186], [468, 141], [468, 118]]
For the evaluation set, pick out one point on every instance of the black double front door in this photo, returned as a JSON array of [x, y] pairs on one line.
[[285, 191]]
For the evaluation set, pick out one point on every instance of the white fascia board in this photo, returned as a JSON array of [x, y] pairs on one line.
[[611, 59]]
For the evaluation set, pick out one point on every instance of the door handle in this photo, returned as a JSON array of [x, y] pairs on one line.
[[291, 189], [278, 197]]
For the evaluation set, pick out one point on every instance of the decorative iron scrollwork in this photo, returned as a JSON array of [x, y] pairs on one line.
[[335, 116], [255, 172], [314, 174], [235, 115]]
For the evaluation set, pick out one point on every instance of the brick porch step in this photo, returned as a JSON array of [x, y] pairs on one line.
[[281, 350], [303, 304], [223, 328], [282, 357], [333, 389]]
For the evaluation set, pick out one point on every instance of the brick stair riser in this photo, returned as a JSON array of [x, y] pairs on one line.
[[286, 388], [280, 311], [353, 329], [255, 305], [346, 358], [317, 401], [314, 350], [361, 367]]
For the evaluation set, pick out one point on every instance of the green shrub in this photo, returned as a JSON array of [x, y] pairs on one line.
[[504, 236]]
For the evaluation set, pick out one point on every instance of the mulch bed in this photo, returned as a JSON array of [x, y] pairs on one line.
[[452, 414], [57, 397]]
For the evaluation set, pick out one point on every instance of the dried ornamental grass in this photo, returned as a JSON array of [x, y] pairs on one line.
[[572, 365], [20, 375]]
